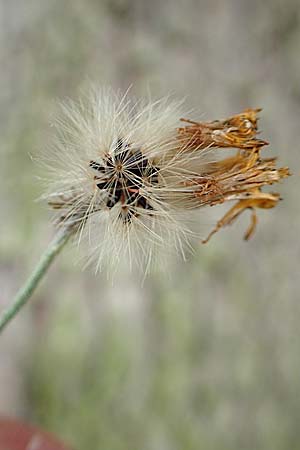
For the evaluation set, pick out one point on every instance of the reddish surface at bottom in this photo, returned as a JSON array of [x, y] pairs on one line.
[[15, 435]]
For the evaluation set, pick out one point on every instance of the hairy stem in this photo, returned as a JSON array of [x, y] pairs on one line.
[[30, 285]]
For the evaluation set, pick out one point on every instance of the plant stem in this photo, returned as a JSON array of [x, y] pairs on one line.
[[30, 285]]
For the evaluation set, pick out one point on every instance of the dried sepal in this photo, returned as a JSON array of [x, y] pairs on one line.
[[238, 131], [239, 177], [255, 200]]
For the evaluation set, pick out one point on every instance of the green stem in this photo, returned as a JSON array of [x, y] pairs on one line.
[[30, 285]]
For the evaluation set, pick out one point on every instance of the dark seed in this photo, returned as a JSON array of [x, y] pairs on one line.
[[97, 166]]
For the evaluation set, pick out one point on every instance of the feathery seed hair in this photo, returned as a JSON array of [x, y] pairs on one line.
[[130, 180]]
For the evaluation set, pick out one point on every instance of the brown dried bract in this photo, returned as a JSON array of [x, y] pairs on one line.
[[238, 131], [239, 178]]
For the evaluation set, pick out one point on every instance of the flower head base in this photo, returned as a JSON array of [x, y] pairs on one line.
[[130, 181]]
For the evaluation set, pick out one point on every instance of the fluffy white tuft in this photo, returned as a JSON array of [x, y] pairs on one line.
[[118, 171]]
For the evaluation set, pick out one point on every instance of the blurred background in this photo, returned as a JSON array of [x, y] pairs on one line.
[[207, 357]]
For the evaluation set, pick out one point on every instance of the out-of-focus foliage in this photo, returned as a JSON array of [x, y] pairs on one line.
[[208, 356]]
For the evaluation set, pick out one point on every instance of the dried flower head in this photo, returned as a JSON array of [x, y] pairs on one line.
[[130, 181]]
